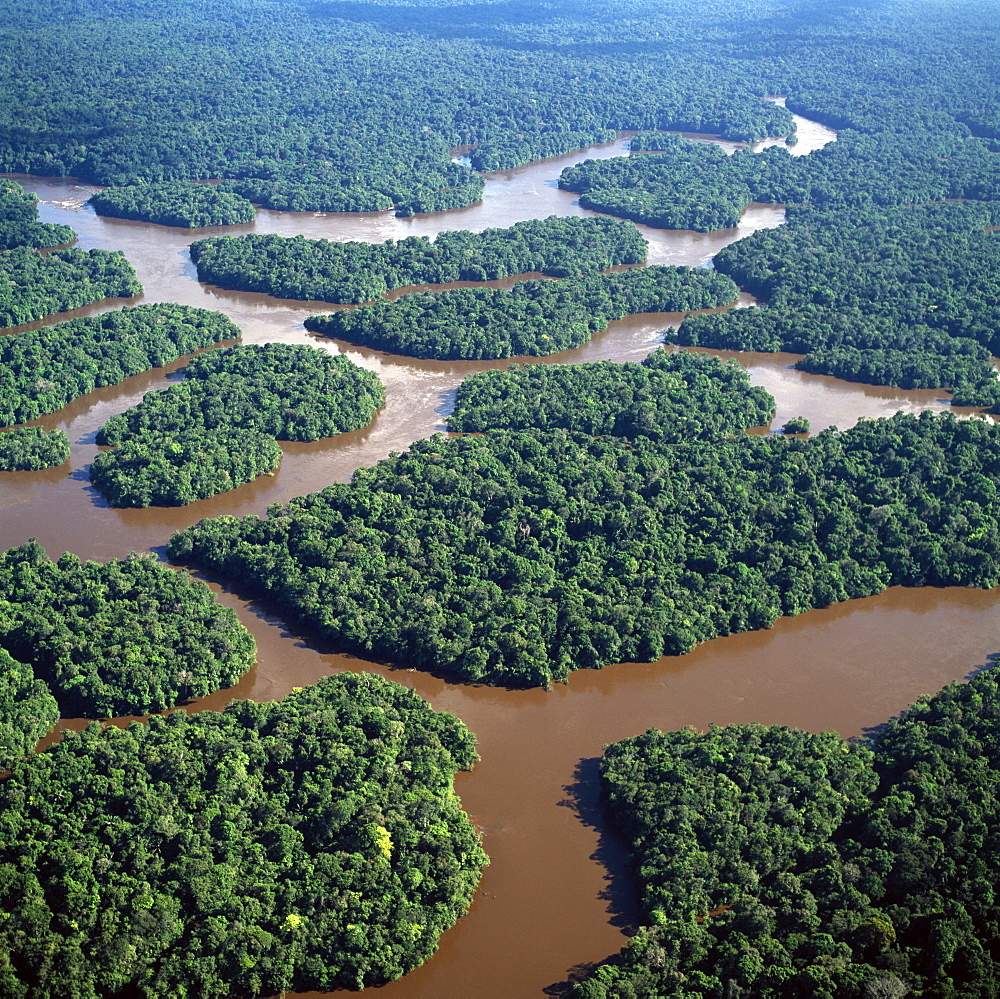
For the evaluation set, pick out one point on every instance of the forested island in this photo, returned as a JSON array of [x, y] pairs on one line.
[[43, 370], [174, 469], [903, 296], [517, 557], [312, 843], [19, 225], [197, 856], [126, 637], [533, 317], [670, 397], [27, 449], [778, 863], [174, 203], [219, 427], [345, 273], [697, 186], [33, 286]]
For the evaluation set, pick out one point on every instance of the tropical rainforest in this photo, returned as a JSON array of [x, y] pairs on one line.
[[19, 225], [670, 396], [174, 469], [27, 449], [344, 273], [517, 557], [125, 637], [897, 296], [197, 856], [43, 370], [219, 427], [312, 843], [532, 317], [174, 203], [777, 863], [33, 285]]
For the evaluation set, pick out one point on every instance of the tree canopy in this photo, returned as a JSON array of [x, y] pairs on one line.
[[174, 203], [312, 843], [903, 296], [517, 557], [775, 863], [219, 428], [344, 273], [19, 225], [43, 370], [125, 637], [533, 317], [33, 286], [669, 396], [27, 449]]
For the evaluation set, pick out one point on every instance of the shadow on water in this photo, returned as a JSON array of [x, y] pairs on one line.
[[620, 894], [584, 797]]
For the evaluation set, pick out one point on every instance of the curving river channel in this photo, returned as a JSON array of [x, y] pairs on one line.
[[557, 897]]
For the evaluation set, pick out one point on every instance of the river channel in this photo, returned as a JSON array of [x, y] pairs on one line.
[[557, 897]]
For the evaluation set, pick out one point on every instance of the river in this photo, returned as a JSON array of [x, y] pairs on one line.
[[557, 897]]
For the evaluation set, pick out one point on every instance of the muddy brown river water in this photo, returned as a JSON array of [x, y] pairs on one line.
[[557, 897]]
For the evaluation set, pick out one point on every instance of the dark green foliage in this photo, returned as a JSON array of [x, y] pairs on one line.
[[217, 429], [27, 449], [19, 225], [533, 317], [292, 392], [43, 370], [844, 872], [177, 468], [934, 265], [907, 296], [797, 425], [353, 106], [174, 203], [518, 557], [343, 273], [670, 396], [33, 286], [27, 712], [436, 186], [697, 186], [127, 637], [313, 843]]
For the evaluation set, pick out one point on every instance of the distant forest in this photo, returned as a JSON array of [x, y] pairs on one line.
[[135, 91]]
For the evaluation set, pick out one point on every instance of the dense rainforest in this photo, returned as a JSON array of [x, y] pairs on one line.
[[43, 370], [174, 203], [687, 185], [250, 91], [19, 225], [902, 296], [670, 396], [174, 469], [27, 449], [293, 392], [126, 637], [830, 871], [518, 557], [312, 843], [33, 285], [532, 317], [345, 273], [27, 710], [219, 427]]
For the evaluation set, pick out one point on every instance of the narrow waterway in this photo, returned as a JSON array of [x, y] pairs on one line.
[[556, 897]]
